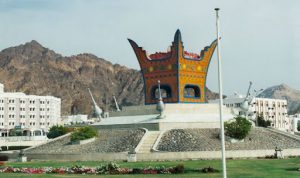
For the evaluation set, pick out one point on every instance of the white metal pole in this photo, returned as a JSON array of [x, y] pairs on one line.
[[221, 96]]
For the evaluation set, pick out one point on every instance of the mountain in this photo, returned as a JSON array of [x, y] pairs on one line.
[[34, 69], [283, 91]]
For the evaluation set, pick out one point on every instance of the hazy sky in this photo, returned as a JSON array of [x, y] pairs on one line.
[[260, 38]]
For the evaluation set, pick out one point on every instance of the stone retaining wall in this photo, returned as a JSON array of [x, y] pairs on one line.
[[158, 156], [79, 157], [161, 156]]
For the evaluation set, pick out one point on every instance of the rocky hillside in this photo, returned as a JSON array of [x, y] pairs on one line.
[[283, 91], [34, 69]]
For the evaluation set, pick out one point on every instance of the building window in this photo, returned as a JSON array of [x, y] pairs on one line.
[[166, 92], [191, 91], [11, 116]]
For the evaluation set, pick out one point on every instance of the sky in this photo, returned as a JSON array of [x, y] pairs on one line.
[[260, 38]]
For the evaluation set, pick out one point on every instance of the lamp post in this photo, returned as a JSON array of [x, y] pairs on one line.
[[221, 96]]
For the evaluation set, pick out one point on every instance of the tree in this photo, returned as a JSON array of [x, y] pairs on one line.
[[56, 131], [261, 122], [83, 133], [239, 128], [298, 126]]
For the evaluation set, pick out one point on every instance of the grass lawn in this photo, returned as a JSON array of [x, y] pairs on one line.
[[235, 168]]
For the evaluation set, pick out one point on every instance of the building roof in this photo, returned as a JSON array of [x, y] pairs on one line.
[[23, 95]]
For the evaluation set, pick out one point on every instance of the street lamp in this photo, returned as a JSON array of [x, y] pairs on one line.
[[221, 96]]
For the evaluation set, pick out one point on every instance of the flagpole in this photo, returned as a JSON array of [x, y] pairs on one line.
[[221, 96]]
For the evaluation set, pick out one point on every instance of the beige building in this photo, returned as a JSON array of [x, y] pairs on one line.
[[274, 110], [32, 114]]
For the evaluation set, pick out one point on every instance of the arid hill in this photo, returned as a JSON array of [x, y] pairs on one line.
[[34, 69], [283, 91]]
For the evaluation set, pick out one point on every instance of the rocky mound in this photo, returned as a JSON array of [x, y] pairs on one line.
[[108, 141], [178, 140]]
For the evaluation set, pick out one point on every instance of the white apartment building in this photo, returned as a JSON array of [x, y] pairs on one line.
[[1, 88], [34, 115], [274, 110]]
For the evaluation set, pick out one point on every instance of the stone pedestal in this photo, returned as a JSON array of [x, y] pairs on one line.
[[22, 159], [131, 157]]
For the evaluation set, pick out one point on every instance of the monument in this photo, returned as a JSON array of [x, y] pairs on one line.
[[174, 89], [182, 74]]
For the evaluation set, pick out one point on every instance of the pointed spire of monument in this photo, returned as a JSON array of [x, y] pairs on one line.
[[177, 37]]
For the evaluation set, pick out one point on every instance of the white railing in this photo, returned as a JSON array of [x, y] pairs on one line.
[[23, 138]]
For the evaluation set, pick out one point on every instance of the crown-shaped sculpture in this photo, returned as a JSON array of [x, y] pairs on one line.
[[182, 74]]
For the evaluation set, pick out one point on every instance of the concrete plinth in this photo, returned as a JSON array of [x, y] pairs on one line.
[[22, 159], [177, 116], [131, 157]]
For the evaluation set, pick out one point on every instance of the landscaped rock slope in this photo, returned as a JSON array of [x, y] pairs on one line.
[[108, 141], [207, 140]]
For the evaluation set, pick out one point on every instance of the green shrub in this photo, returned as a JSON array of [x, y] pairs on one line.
[[137, 171], [179, 169], [110, 168], [83, 133], [209, 170], [15, 132], [239, 128], [56, 131], [261, 122], [298, 126]]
